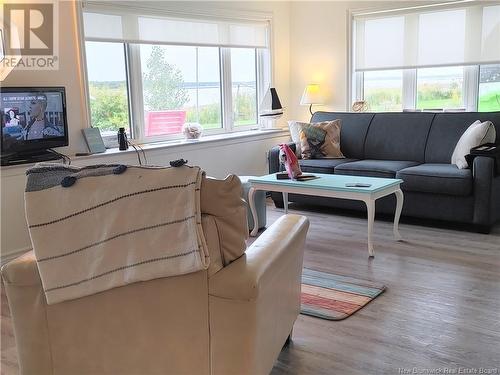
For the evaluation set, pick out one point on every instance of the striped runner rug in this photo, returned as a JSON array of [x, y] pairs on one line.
[[335, 297]]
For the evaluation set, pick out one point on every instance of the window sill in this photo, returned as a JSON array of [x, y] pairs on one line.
[[204, 141], [209, 141]]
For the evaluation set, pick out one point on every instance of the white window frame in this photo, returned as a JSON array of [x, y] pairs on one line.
[[227, 89], [135, 96], [470, 88], [355, 80]]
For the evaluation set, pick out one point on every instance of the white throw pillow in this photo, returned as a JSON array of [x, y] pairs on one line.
[[295, 134], [477, 134]]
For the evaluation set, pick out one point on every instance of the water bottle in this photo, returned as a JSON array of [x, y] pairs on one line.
[[122, 139]]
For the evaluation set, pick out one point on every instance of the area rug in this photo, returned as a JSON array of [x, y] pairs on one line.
[[335, 297]]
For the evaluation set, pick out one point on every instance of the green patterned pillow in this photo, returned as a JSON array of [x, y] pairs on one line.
[[320, 140]]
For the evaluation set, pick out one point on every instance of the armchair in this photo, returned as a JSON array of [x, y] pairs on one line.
[[230, 319]]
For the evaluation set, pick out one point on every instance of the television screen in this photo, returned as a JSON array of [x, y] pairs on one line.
[[32, 119]]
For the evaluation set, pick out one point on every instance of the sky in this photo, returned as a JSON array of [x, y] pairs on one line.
[[105, 62]]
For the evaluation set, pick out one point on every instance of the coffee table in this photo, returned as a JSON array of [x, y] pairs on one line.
[[333, 186]]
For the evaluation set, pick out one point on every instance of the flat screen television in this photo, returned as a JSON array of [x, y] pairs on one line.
[[33, 120]]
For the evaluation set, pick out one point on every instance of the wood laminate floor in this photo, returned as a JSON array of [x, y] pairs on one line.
[[441, 310]]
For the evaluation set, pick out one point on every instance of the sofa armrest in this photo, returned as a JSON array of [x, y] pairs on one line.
[[281, 245], [22, 271], [274, 158], [26, 299], [483, 171], [255, 300]]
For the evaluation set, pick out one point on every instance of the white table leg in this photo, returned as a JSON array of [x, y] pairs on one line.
[[285, 202], [370, 206], [397, 215], [253, 209]]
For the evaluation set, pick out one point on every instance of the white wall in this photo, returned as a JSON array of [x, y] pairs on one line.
[[68, 75], [218, 159], [319, 49], [318, 53]]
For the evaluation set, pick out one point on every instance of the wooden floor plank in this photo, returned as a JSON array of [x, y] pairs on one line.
[[441, 308]]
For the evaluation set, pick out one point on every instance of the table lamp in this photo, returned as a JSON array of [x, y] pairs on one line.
[[311, 96]]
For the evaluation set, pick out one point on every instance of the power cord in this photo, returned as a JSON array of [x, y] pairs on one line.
[[66, 159], [135, 146]]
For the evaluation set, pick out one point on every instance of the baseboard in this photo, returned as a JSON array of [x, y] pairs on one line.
[[8, 257]]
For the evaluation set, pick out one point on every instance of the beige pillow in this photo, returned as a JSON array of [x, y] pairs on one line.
[[294, 127], [476, 134], [222, 200], [320, 140]]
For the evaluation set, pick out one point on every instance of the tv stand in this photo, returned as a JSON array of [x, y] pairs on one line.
[[29, 157]]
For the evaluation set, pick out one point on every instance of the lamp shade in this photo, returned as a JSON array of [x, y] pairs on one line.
[[311, 95]]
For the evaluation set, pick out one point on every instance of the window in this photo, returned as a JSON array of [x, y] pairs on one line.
[[411, 59], [107, 80], [180, 84], [383, 90], [244, 86], [489, 88], [158, 73], [440, 88], [431, 89]]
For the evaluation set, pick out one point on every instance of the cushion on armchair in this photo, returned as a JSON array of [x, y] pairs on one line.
[[222, 199]]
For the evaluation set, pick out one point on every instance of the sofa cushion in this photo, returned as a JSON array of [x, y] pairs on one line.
[[321, 165], [320, 140], [374, 168], [446, 130], [437, 179], [222, 200], [293, 127], [353, 130], [398, 136], [479, 133]]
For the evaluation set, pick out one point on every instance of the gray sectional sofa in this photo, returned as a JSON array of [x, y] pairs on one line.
[[417, 148]]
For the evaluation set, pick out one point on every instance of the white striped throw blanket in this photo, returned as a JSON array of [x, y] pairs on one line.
[[104, 226]]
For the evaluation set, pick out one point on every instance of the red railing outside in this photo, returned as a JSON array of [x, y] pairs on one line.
[[164, 122]]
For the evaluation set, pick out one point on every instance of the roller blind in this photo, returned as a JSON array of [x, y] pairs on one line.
[[468, 35], [128, 26]]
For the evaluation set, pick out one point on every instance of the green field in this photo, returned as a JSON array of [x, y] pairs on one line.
[[384, 100], [217, 125], [389, 99], [489, 102], [439, 103]]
